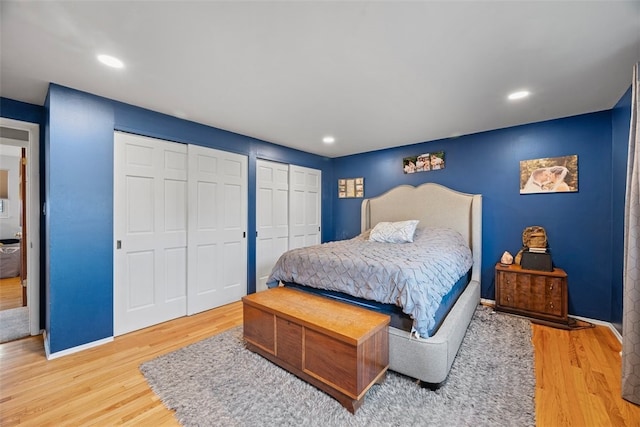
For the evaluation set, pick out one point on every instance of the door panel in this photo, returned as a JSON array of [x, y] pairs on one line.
[[207, 217], [272, 217], [304, 208], [142, 273], [175, 212], [206, 269], [217, 264], [234, 281], [175, 271], [150, 222]]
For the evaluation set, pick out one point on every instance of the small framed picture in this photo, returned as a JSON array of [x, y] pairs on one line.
[[423, 162], [350, 187]]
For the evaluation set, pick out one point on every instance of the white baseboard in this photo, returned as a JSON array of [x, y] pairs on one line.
[[492, 303], [71, 350]]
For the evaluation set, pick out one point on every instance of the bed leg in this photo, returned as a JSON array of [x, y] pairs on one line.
[[430, 386]]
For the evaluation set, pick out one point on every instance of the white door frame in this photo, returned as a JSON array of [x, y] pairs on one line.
[[33, 215]]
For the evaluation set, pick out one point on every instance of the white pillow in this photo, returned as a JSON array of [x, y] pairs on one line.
[[394, 232]]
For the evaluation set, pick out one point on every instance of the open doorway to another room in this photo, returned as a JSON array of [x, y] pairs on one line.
[[19, 230]]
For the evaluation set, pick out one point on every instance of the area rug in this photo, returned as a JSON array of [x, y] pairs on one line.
[[14, 324], [218, 382]]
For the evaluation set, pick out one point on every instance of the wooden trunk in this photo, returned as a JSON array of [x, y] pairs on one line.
[[340, 349]]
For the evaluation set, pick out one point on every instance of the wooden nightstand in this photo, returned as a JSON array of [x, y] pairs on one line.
[[538, 294]]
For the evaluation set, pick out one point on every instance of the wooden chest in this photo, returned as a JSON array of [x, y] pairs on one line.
[[340, 349], [538, 294]]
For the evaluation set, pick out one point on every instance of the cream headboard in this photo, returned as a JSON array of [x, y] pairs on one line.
[[435, 206]]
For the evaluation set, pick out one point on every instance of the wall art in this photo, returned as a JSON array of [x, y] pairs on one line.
[[350, 187], [549, 175], [423, 162]]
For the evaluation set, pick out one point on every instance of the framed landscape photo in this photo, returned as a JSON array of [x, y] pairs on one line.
[[549, 175]]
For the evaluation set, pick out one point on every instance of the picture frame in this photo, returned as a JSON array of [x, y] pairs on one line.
[[549, 175], [350, 188], [423, 162]]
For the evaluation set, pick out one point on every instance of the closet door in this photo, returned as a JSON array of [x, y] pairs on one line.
[[272, 217], [304, 206], [217, 263], [150, 229]]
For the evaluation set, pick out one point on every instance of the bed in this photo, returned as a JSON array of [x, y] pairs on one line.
[[10, 258], [425, 356]]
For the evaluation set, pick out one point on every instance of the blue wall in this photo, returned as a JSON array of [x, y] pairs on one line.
[[578, 224], [79, 223], [16, 110], [620, 119], [79, 174]]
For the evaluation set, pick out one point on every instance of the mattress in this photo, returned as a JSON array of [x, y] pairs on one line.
[[399, 320]]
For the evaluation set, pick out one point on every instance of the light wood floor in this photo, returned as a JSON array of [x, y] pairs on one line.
[[578, 377], [10, 293]]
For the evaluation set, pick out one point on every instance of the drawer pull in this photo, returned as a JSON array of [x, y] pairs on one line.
[[550, 287]]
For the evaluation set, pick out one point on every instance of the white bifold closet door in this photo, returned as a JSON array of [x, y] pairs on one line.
[[177, 209], [150, 227], [272, 217], [217, 267], [287, 213], [304, 206]]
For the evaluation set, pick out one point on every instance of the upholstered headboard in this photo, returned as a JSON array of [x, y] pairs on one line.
[[435, 206]]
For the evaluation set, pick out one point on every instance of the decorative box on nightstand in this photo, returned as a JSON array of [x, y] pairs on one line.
[[538, 294]]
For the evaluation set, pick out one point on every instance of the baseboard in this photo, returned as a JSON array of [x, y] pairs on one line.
[[487, 302], [492, 303], [68, 351], [600, 323]]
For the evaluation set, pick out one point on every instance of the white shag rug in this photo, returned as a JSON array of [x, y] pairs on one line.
[[218, 382]]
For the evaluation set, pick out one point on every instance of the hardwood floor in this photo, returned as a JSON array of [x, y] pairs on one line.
[[578, 379], [99, 386], [10, 293], [577, 375]]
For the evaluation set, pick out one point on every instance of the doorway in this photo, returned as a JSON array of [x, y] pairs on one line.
[[19, 230]]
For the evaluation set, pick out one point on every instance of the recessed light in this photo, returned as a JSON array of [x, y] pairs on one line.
[[328, 140], [519, 95], [111, 61]]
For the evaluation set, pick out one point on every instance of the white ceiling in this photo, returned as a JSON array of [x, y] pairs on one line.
[[374, 74]]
